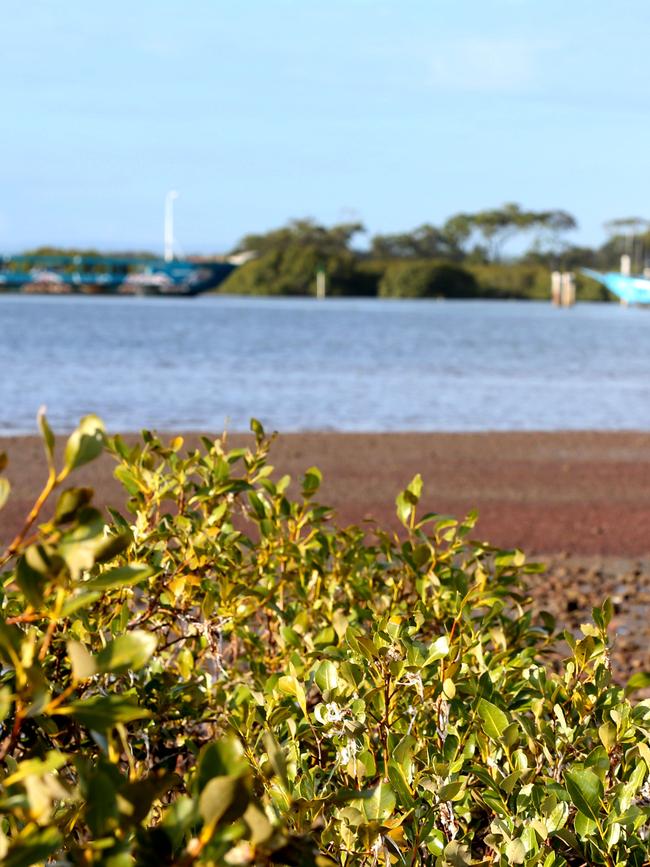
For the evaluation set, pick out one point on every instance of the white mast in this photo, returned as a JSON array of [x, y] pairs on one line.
[[169, 224]]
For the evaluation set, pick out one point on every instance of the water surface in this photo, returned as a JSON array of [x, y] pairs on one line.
[[354, 365]]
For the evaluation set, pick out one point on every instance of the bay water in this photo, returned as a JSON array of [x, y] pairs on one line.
[[300, 364]]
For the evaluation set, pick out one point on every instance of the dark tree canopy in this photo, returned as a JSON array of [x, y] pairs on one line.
[[303, 232]]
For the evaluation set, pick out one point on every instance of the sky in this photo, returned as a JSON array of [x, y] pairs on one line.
[[391, 112]]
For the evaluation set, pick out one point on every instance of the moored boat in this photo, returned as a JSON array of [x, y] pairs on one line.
[[630, 288]]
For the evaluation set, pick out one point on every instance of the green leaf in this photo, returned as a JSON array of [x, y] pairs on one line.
[[495, 722], [277, 759], [48, 436], [79, 600], [404, 508], [121, 576], [415, 486], [438, 650], [112, 545], [70, 502], [640, 680], [141, 793], [82, 662], [260, 828], [400, 785], [11, 642], [326, 676], [6, 702], [37, 767], [586, 792], [85, 443], [257, 505], [644, 752], [5, 489], [127, 652], [451, 791], [178, 818], [379, 803], [102, 712], [449, 688], [292, 686], [311, 481], [257, 429], [222, 758], [221, 796], [31, 582], [516, 852], [457, 854], [607, 735], [102, 810], [32, 847], [407, 500], [584, 826], [129, 481]]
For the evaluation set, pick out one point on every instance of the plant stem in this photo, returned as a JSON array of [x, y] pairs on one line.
[[14, 546]]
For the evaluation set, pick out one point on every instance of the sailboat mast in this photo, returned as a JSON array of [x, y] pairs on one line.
[[171, 196]]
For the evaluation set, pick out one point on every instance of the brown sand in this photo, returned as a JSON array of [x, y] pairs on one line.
[[581, 501]]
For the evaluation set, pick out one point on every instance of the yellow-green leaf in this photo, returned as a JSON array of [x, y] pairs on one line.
[[5, 489], [127, 652], [495, 722], [586, 791], [82, 662], [85, 443]]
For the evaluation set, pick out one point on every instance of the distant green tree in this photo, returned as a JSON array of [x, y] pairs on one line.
[[628, 235], [292, 271], [424, 242], [287, 260], [427, 280], [457, 231], [551, 228], [498, 225], [303, 232]]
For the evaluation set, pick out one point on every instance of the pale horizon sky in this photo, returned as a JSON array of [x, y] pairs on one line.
[[392, 112]]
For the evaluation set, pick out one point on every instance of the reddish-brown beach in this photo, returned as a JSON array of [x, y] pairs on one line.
[[580, 501]]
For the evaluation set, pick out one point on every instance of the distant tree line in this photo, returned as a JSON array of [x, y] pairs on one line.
[[468, 256], [464, 257]]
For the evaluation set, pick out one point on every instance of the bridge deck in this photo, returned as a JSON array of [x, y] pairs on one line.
[[109, 273]]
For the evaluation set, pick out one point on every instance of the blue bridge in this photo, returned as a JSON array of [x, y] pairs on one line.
[[139, 275]]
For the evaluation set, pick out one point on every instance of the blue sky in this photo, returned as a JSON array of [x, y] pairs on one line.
[[394, 112]]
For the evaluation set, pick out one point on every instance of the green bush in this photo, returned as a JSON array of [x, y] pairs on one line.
[[513, 280], [222, 676], [292, 271], [427, 279]]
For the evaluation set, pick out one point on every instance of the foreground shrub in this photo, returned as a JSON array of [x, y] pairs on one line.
[[221, 676]]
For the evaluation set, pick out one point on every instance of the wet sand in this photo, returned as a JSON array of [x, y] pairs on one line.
[[579, 500]]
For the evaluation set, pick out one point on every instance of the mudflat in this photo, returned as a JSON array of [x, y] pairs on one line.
[[585, 493], [578, 500]]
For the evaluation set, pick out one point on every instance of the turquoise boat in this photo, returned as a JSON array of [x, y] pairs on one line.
[[629, 288]]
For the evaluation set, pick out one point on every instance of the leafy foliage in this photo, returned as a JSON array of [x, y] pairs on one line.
[[222, 676], [292, 271], [427, 280], [528, 280]]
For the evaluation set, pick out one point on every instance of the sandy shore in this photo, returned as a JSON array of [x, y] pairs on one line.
[[580, 501]]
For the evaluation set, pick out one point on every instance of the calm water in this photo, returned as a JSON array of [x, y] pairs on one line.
[[334, 365]]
